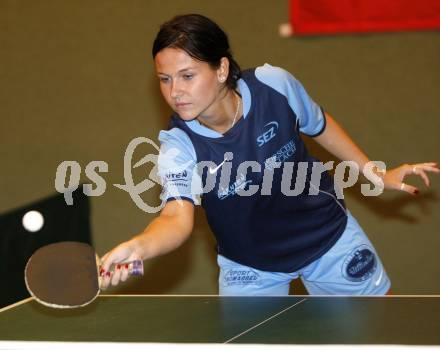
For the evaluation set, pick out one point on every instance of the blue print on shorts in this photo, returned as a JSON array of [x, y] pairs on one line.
[[360, 264], [241, 277]]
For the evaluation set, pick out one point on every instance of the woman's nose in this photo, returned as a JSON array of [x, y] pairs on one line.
[[176, 90]]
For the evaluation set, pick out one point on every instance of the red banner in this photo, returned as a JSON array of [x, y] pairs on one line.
[[357, 16]]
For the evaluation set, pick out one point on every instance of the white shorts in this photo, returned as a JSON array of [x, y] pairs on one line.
[[350, 267]]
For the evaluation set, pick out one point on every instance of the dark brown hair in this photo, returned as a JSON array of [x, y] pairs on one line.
[[201, 38]]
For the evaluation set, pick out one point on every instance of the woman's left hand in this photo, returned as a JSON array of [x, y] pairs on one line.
[[393, 178]]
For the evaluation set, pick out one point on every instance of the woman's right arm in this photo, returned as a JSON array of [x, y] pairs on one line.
[[165, 233]]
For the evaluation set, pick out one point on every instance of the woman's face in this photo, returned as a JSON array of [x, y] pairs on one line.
[[190, 87]]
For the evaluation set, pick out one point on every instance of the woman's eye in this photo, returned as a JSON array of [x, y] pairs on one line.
[[188, 76], [163, 80]]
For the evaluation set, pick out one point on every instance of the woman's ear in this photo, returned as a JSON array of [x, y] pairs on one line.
[[223, 70]]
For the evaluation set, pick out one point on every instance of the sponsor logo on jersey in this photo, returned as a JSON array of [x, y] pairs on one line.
[[228, 156], [172, 176], [360, 264], [270, 131], [283, 154], [239, 184]]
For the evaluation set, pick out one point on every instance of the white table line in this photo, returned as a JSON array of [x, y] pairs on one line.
[[259, 324], [16, 304]]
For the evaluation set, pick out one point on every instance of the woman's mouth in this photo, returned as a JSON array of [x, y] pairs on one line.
[[181, 105]]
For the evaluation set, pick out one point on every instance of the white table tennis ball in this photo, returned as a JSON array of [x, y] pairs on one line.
[[33, 221]]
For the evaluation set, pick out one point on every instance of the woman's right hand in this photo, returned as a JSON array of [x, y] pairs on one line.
[[113, 264]]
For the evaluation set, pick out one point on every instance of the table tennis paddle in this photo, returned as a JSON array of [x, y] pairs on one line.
[[66, 274]]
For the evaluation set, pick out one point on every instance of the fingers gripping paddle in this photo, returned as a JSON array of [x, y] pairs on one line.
[[66, 274]]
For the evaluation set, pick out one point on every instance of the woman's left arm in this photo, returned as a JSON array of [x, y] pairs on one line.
[[336, 141]]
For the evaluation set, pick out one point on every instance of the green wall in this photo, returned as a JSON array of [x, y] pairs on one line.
[[77, 83]]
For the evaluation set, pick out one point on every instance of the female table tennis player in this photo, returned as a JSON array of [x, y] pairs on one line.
[[228, 116]]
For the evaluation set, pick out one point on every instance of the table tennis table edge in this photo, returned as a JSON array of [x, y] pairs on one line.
[[56, 345], [299, 296]]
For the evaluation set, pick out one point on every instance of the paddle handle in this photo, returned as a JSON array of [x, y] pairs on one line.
[[136, 268]]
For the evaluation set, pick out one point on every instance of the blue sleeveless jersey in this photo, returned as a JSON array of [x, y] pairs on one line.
[[268, 229]]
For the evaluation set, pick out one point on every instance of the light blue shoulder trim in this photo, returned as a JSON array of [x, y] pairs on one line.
[[311, 118], [177, 166], [200, 129], [178, 138], [243, 89]]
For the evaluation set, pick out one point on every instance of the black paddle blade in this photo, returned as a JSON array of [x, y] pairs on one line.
[[63, 275]]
